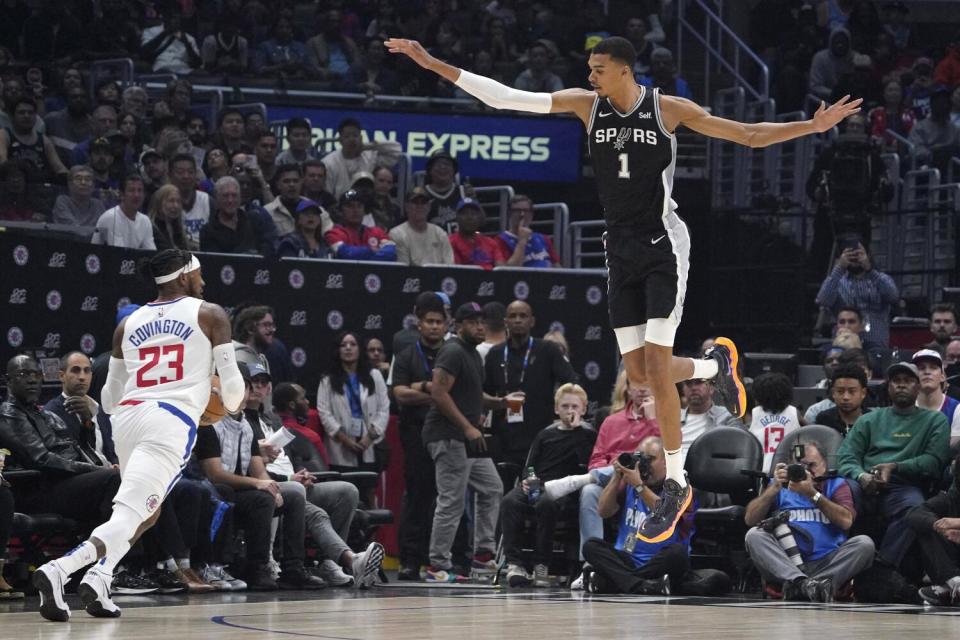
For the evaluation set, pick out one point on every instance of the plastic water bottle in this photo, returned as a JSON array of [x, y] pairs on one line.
[[533, 486]]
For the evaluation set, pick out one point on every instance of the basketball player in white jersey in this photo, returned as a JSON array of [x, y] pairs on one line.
[[157, 388], [633, 151]]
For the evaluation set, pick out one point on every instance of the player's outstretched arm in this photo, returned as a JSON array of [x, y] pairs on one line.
[[680, 111], [216, 324], [493, 93], [112, 392]]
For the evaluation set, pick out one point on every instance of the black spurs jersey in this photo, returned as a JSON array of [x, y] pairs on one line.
[[633, 161]]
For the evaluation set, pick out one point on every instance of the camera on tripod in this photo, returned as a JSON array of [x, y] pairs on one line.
[[636, 459]]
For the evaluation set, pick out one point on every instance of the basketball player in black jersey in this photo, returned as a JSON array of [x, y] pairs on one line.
[[633, 149]]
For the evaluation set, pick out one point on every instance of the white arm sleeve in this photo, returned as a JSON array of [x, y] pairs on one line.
[[112, 391], [231, 382], [500, 96]]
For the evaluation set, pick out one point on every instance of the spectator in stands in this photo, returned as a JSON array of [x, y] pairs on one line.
[[528, 366], [352, 240], [106, 187], [947, 71], [895, 23], [79, 411], [299, 143], [215, 166], [383, 206], [253, 124], [131, 129], [832, 63], [642, 41], [822, 508], [71, 483], [891, 454], [936, 523], [230, 134], [933, 380], [196, 128], [537, 76], [773, 417], [854, 282], [232, 229], [560, 450], [410, 381], [847, 340], [225, 51], [281, 55], [71, 124], [33, 150], [943, 326], [632, 565], [469, 245], [78, 207], [354, 409], [418, 241], [288, 183], [955, 107], [15, 203], [936, 138], [919, 92], [253, 335], [441, 184], [169, 48], [134, 100], [377, 355], [166, 214], [369, 75], [663, 75], [848, 390], [315, 184], [230, 457], [179, 97], [306, 240], [700, 414], [354, 156], [526, 248], [891, 116], [850, 320], [124, 225], [450, 427], [196, 203], [104, 120], [847, 357], [951, 355], [265, 151], [831, 355], [292, 407], [494, 327], [332, 52], [153, 168]]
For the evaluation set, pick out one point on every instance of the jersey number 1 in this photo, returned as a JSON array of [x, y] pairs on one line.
[[624, 166], [152, 357]]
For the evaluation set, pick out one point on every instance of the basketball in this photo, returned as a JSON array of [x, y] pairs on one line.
[[215, 409]]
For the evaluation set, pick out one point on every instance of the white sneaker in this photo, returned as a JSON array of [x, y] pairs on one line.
[[94, 592], [517, 576], [236, 584], [560, 487], [213, 574], [49, 580], [333, 575], [577, 585], [541, 575], [366, 566]]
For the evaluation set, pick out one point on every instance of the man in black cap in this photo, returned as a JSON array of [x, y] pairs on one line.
[[443, 188], [418, 241], [352, 240], [451, 432], [891, 454]]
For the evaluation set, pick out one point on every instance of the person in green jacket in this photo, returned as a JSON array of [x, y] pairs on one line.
[[891, 454]]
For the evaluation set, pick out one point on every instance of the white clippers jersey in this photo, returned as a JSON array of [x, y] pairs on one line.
[[167, 355]]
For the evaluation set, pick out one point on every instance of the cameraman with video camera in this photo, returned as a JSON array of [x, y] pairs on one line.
[[799, 539], [632, 565], [849, 183]]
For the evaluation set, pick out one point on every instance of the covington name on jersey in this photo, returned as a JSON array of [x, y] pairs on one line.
[[173, 327]]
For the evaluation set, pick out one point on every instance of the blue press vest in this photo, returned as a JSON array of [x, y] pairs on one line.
[[635, 509], [825, 535]]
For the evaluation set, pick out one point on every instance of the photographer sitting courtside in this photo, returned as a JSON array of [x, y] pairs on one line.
[[632, 565], [820, 511]]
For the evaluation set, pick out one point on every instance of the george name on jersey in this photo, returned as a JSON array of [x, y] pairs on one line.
[[621, 135], [150, 329]]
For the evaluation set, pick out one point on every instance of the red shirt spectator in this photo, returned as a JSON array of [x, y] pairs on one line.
[[469, 247], [947, 71], [353, 241], [620, 432], [311, 430]]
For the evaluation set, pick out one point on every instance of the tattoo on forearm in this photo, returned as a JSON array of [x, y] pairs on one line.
[[442, 377]]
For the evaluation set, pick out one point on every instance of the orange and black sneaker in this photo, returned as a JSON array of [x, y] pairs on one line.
[[666, 513], [728, 382]]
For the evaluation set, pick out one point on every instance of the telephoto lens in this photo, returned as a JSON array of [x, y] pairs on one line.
[[627, 460], [785, 537]]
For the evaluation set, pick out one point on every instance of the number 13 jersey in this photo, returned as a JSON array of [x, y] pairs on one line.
[[633, 160], [168, 356]]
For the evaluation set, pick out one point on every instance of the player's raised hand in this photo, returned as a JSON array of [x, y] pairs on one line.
[[827, 117], [411, 48]]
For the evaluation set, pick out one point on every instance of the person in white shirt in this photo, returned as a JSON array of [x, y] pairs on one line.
[[196, 203], [700, 414], [170, 47], [932, 382], [354, 156], [418, 241], [773, 417], [124, 225]]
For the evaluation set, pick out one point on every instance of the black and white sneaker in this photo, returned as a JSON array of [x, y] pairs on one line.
[[94, 592], [728, 382], [167, 581], [366, 566], [128, 584], [49, 580]]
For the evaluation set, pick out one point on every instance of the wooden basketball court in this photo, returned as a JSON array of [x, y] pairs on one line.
[[402, 613]]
